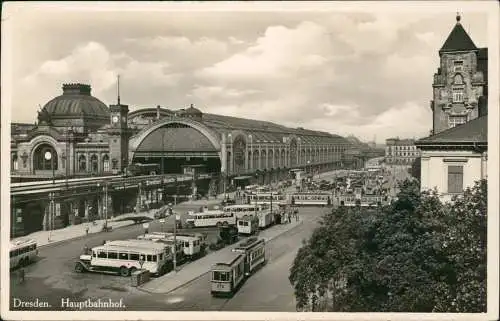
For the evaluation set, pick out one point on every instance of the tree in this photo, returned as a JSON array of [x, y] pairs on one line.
[[416, 255], [416, 168]]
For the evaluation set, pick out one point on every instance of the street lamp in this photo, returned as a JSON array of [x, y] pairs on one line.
[[48, 157]]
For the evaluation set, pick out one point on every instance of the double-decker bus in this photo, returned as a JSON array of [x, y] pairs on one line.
[[22, 252], [310, 199], [227, 276], [254, 250], [210, 218], [125, 257]]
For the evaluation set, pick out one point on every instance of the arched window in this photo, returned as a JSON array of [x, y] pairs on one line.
[[14, 162], [458, 80], [41, 155], [82, 163], [94, 163], [105, 163]]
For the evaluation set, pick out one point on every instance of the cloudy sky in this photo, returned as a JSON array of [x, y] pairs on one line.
[[352, 72]]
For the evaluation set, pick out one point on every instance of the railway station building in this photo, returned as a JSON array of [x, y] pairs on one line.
[[77, 135]]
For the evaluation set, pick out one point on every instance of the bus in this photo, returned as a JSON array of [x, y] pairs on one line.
[[254, 250], [227, 276], [216, 218], [125, 257], [311, 199], [191, 244], [248, 225], [263, 212], [22, 252]]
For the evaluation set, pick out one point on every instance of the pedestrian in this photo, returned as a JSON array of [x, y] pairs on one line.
[[86, 249], [87, 230], [289, 218], [21, 276]]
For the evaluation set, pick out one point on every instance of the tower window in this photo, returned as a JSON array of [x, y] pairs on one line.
[[458, 95], [458, 66], [458, 80], [456, 120]]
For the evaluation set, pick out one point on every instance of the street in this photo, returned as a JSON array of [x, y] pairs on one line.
[[53, 278]]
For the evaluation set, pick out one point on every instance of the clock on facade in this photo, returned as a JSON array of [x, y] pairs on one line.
[[115, 119]]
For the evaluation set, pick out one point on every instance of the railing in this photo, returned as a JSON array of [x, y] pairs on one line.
[[112, 181]]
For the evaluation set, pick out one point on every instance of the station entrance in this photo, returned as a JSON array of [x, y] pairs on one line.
[[176, 145]]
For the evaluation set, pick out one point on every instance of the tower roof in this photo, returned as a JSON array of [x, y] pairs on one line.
[[458, 40]]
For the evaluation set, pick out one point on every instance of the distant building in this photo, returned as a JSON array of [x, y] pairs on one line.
[[400, 151], [456, 153], [460, 87]]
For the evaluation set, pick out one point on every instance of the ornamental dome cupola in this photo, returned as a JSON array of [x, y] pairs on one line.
[[76, 107]]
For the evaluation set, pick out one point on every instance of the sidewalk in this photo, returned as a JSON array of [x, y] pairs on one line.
[[75, 231], [70, 232], [171, 281]]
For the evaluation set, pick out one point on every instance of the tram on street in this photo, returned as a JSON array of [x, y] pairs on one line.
[[210, 218], [125, 257], [22, 252], [265, 198], [226, 277], [310, 199], [254, 250]]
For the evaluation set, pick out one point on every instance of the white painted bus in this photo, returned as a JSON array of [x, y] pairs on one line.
[[210, 218], [262, 212], [191, 244], [227, 276], [22, 252], [248, 225], [125, 257]]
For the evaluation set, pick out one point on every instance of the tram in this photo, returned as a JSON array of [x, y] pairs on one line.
[[310, 199], [226, 277], [254, 250]]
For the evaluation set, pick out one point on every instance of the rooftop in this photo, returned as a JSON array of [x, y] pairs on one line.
[[458, 40], [474, 131]]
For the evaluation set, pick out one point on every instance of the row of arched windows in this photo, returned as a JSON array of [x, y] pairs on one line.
[[92, 165]]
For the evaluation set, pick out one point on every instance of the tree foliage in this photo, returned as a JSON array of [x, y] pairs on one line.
[[416, 168], [415, 255]]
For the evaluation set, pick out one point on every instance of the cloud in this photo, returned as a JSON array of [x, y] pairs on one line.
[[279, 53], [348, 73]]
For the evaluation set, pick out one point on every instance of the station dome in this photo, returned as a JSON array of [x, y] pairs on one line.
[[76, 100]]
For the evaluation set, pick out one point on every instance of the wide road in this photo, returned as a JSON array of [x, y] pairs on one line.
[[53, 276], [53, 279], [267, 290]]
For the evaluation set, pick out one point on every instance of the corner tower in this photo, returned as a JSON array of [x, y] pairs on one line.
[[460, 84]]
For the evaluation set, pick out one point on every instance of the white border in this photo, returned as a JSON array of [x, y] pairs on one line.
[[493, 162]]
